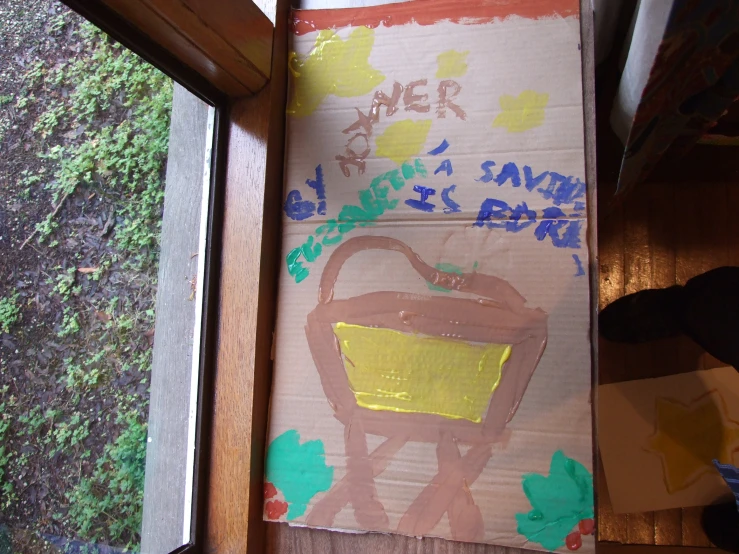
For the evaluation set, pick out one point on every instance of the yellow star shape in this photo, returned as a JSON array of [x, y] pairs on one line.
[[688, 437], [334, 66], [451, 64], [523, 112]]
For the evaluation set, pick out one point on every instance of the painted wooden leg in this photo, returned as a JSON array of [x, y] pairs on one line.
[[465, 517], [516, 376], [326, 509], [429, 506], [534, 348], [368, 511]]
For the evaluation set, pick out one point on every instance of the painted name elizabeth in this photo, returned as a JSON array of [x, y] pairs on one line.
[[561, 223]]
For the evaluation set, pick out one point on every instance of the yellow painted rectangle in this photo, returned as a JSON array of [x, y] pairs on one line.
[[400, 372]]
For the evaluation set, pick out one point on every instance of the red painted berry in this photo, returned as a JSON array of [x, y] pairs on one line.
[[269, 491], [574, 540], [586, 526], [276, 509]]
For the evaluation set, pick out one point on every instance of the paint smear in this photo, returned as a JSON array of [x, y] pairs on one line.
[[451, 64], [431, 12], [688, 437], [449, 268], [559, 502], [299, 471], [399, 372], [334, 66], [523, 112], [403, 140]]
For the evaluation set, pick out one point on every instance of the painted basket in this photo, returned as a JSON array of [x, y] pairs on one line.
[[415, 366]]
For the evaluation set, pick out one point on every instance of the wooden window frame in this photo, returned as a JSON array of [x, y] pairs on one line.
[[133, 39]]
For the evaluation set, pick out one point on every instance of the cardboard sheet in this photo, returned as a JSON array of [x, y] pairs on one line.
[[658, 438], [432, 358]]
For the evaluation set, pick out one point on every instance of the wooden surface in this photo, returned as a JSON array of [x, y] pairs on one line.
[[677, 225], [248, 288], [662, 234], [164, 486], [283, 539], [236, 381], [229, 42], [286, 540]]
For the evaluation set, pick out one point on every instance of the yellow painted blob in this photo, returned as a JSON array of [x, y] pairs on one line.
[[523, 112], [689, 437], [399, 372], [403, 140], [334, 66], [451, 64]]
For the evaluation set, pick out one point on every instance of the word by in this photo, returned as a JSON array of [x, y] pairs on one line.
[[373, 202], [358, 147], [298, 209]]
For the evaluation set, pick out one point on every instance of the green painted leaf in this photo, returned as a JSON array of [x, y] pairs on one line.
[[558, 502], [299, 471]]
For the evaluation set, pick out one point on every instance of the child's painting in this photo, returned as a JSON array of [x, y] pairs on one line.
[[660, 439], [432, 355]]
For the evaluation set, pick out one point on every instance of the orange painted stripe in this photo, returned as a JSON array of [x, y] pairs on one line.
[[428, 12]]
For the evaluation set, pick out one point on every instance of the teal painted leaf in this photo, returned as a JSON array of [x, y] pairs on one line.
[[299, 471], [558, 502]]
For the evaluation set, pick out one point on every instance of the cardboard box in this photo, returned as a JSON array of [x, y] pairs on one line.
[[432, 358]]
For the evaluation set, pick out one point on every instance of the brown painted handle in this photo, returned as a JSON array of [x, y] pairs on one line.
[[475, 283]]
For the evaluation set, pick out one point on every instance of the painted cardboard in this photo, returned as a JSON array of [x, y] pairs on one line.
[[658, 437], [432, 356]]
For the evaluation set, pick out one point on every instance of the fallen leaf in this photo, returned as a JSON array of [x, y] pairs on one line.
[[102, 316]]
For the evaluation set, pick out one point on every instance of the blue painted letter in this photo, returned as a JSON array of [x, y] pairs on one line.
[[451, 206], [492, 209], [422, 204], [488, 175], [298, 209], [320, 189]]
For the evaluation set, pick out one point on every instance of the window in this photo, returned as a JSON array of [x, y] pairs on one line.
[[105, 199]]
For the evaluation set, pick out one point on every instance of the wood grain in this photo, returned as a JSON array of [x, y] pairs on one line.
[[169, 403], [205, 36], [283, 539], [237, 427], [236, 34], [668, 527], [250, 257], [676, 226]]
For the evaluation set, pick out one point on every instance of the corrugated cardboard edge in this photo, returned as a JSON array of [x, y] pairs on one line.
[[587, 41]]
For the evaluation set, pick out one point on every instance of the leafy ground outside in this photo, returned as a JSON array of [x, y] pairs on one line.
[[84, 129]]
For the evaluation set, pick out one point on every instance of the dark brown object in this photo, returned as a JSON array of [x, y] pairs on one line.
[[228, 43], [662, 234]]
